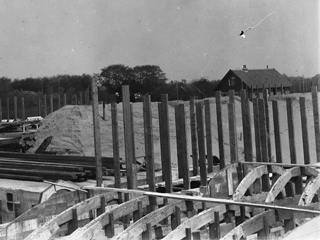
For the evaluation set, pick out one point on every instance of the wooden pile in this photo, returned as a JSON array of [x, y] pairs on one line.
[[37, 167]]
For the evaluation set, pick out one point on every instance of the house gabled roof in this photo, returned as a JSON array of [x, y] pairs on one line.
[[262, 77]]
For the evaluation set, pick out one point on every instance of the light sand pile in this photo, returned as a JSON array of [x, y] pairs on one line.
[[72, 130]]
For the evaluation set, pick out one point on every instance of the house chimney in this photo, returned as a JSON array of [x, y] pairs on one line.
[[245, 68]]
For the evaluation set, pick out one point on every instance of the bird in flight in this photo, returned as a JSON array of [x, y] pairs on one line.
[[242, 33]]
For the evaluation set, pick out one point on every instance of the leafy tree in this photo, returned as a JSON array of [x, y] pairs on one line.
[[150, 79], [6, 85]]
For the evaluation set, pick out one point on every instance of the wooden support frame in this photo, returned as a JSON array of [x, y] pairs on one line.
[[220, 129], [201, 144], [277, 131], [291, 132], [232, 128], [165, 142], [316, 119], [207, 114], [194, 138], [148, 139], [115, 145], [182, 149], [304, 126], [96, 132], [128, 140]]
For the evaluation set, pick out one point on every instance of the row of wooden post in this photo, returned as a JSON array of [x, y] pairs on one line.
[[201, 136], [83, 99]]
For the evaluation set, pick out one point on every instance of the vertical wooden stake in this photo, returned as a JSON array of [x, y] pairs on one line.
[[23, 110], [128, 140], [277, 133], [182, 148], [246, 126], [45, 105], [220, 129], [0, 111], [115, 140], [316, 118], [15, 108], [8, 110], [165, 142], [232, 128], [304, 126], [39, 106], [266, 100], [257, 129], [148, 142], [201, 144], [104, 110], [292, 142], [51, 103], [59, 101], [64, 99], [208, 135], [96, 131], [194, 138]]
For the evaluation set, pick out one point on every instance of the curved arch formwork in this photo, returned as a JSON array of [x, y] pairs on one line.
[[310, 191], [27, 222], [70, 216]]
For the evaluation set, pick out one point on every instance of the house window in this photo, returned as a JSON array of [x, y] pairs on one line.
[[10, 202], [232, 81]]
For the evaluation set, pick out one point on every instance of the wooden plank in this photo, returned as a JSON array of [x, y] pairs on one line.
[[148, 140], [277, 131], [115, 145], [23, 110], [51, 103], [266, 100], [201, 144], [128, 140], [0, 111], [281, 182], [246, 123], [45, 105], [304, 126], [64, 99], [291, 132], [220, 129], [257, 129], [182, 146], [263, 131], [232, 133], [208, 134], [96, 132], [316, 119], [194, 138], [165, 142], [15, 108], [104, 110]]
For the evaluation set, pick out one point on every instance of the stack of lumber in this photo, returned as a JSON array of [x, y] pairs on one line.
[[37, 167]]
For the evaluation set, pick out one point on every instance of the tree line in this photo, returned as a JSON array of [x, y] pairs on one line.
[[145, 79]]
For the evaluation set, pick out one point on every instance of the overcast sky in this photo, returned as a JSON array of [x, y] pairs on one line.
[[188, 39]]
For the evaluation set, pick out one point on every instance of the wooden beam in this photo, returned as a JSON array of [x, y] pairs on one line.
[[207, 117], [220, 129], [148, 142], [96, 132], [257, 129], [304, 126], [310, 191], [316, 119], [292, 142], [164, 128], [128, 140], [15, 108], [277, 131], [194, 138], [232, 128], [115, 145], [182, 149], [201, 144]]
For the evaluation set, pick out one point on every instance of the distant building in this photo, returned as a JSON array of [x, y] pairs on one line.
[[255, 79]]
